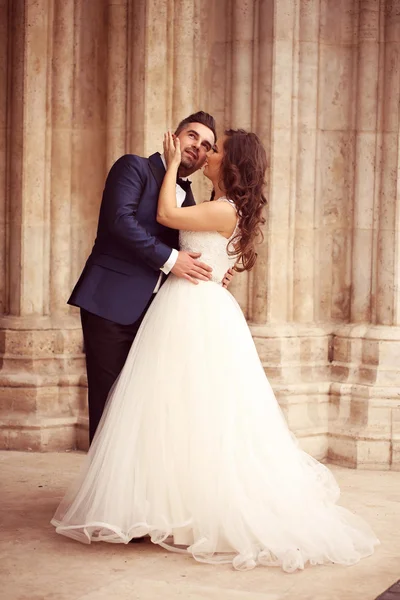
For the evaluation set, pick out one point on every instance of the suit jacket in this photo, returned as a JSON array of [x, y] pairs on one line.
[[130, 247]]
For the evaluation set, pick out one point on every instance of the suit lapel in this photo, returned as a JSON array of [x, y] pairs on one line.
[[158, 170], [157, 167]]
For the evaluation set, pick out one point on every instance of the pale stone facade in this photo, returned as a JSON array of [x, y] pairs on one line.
[[84, 81]]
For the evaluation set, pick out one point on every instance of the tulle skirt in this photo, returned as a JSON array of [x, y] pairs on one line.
[[193, 450]]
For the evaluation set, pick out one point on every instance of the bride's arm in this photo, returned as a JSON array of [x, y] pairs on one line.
[[209, 216]]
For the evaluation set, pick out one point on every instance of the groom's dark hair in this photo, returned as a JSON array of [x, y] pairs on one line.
[[198, 117]]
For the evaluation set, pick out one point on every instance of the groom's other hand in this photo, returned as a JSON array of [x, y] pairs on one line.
[[189, 267], [227, 278]]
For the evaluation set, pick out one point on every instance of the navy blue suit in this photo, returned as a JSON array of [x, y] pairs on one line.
[[130, 248], [116, 285]]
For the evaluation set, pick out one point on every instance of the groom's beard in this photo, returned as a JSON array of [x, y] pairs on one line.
[[190, 160]]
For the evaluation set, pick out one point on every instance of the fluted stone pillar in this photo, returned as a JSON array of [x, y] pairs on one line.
[[260, 288], [242, 97], [136, 69], [283, 130], [183, 59], [39, 397], [4, 38], [83, 82], [365, 407], [158, 57], [90, 138], [62, 73], [28, 243], [304, 265], [89, 127], [293, 349], [388, 268], [117, 46], [367, 172]]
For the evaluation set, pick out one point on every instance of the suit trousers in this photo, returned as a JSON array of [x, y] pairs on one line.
[[107, 346]]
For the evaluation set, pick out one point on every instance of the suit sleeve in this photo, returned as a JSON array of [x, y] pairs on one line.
[[123, 190]]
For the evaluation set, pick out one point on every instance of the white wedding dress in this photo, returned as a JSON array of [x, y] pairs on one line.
[[193, 448]]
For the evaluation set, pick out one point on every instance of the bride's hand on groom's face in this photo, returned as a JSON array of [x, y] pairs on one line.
[[172, 149]]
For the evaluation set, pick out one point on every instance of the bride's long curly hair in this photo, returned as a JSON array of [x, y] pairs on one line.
[[242, 173]]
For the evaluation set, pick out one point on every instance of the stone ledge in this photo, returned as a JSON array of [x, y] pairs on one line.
[[379, 333], [360, 453], [362, 390], [40, 323], [26, 379], [20, 432]]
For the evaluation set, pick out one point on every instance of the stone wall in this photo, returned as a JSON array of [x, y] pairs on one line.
[[84, 81]]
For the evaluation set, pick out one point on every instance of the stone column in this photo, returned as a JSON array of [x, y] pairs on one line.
[[41, 354], [158, 68], [283, 126], [365, 430], [293, 350], [260, 287], [28, 259], [89, 128], [211, 34], [117, 79], [135, 127], [335, 159], [387, 311], [242, 98], [90, 152], [183, 60], [367, 173], [62, 75], [4, 33], [304, 264]]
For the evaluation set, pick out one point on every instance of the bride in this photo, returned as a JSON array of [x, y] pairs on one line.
[[193, 449]]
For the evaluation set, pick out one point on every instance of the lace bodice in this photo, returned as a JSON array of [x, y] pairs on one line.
[[213, 248]]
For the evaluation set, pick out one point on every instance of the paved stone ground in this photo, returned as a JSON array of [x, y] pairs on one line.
[[37, 564]]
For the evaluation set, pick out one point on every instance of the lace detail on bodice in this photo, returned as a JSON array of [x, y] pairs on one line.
[[213, 248]]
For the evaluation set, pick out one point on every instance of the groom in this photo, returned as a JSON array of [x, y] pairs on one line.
[[132, 255]]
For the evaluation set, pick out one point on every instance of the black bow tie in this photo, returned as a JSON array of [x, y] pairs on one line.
[[184, 183]]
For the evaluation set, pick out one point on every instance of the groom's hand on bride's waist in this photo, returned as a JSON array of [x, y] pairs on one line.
[[189, 267], [228, 278]]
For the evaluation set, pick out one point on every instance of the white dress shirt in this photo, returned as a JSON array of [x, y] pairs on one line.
[[170, 263]]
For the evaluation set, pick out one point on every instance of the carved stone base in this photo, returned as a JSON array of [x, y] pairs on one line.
[[347, 411], [42, 386], [364, 421], [296, 361]]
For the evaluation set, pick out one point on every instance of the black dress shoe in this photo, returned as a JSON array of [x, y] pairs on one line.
[[137, 540]]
